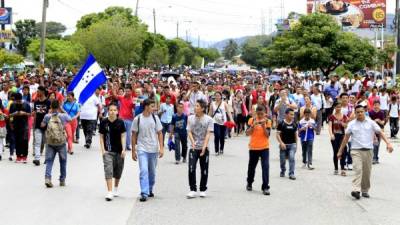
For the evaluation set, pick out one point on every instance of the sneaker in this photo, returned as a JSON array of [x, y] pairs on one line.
[[87, 146], [266, 192], [343, 173], [282, 174], [48, 183], [217, 154], [18, 159], [249, 187], [355, 194], [109, 196], [10, 158], [177, 162], [365, 195], [203, 194], [183, 160], [350, 167], [336, 172], [143, 198], [24, 160], [292, 177], [151, 195], [62, 183], [0, 158], [304, 166], [191, 194], [36, 162], [115, 192], [221, 152], [310, 167]]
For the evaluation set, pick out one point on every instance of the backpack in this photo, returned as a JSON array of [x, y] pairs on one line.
[[138, 122], [55, 133]]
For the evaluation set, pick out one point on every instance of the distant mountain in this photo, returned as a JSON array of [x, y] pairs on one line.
[[221, 44]]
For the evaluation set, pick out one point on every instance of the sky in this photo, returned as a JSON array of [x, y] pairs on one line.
[[211, 20]]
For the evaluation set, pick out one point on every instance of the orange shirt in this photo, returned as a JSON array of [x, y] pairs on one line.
[[258, 140]]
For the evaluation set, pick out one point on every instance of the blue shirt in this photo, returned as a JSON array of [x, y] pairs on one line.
[[167, 111], [179, 123], [72, 108], [307, 135], [332, 91]]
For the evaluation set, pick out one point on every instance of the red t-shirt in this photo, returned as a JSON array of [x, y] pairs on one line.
[[3, 118], [164, 98], [126, 107], [255, 96], [337, 126]]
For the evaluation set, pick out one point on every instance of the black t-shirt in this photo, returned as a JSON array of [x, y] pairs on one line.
[[20, 122], [41, 108], [111, 132], [287, 132]]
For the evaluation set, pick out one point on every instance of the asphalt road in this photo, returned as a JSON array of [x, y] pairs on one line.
[[316, 197]]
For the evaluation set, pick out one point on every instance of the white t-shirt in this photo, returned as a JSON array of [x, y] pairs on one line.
[[147, 139], [356, 86], [90, 108], [394, 110], [384, 101]]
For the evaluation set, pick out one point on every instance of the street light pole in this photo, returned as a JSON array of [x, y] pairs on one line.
[[177, 29], [43, 35]]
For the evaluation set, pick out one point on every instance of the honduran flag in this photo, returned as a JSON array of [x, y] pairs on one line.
[[87, 80]]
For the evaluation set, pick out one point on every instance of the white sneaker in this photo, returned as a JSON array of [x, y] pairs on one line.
[[203, 194], [350, 167], [191, 194], [116, 192], [109, 196]]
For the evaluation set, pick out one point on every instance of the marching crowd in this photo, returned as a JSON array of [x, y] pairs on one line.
[[140, 113]]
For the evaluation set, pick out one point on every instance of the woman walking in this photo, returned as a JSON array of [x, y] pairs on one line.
[[239, 111], [337, 125], [71, 107], [218, 112]]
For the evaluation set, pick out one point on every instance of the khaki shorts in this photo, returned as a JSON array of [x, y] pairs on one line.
[[113, 165]]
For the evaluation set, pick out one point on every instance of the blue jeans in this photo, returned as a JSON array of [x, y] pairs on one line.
[[165, 129], [147, 167], [128, 128], [51, 151], [307, 148], [289, 152], [219, 137], [376, 149]]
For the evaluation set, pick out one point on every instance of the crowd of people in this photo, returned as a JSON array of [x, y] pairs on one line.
[[143, 114]]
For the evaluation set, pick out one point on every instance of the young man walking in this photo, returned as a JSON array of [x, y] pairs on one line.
[[362, 131], [259, 131], [199, 128], [287, 139], [112, 141], [147, 146], [179, 132], [40, 108], [56, 142]]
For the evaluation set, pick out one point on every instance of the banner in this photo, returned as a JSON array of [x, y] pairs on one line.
[[352, 13], [5, 15], [6, 35]]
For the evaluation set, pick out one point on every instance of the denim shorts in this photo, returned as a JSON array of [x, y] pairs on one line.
[[113, 165]]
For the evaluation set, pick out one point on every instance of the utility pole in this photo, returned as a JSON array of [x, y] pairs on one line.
[[137, 7], [187, 37], [177, 29], [3, 26], [43, 35], [198, 41], [154, 19], [398, 37]]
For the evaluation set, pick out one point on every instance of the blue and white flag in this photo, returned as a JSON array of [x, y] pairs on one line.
[[87, 80]]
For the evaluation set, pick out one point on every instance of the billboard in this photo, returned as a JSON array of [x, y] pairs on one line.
[[5, 15], [6, 35], [352, 13]]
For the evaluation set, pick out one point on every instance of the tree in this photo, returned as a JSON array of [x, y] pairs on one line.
[[158, 54], [114, 42], [58, 52], [173, 50], [251, 49], [230, 50], [25, 31], [90, 19], [54, 30], [9, 58], [317, 42], [209, 54]]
